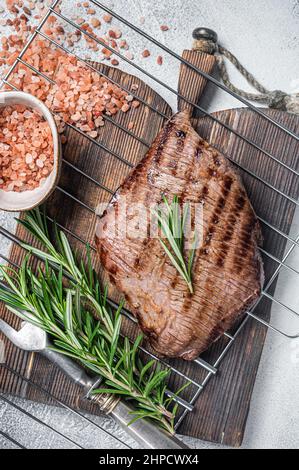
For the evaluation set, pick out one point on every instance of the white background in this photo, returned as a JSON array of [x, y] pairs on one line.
[[263, 34]]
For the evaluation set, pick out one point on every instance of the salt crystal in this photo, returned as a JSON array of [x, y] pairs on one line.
[[39, 163], [125, 108], [95, 22], [79, 95], [76, 117], [129, 55], [135, 104], [107, 18], [146, 53], [19, 135], [93, 134], [10, 186]]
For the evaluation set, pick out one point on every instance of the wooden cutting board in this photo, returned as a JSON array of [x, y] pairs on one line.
[[221, 409]]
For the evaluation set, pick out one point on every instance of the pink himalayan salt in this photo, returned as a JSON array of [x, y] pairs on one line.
[[20, 161], [82, 93], [107, 18]]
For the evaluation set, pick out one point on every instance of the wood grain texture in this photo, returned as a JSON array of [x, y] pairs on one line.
[[222, 407], [191, 83]]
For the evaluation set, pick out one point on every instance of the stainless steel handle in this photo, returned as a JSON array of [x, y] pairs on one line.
[[70, 368], [143, 431]]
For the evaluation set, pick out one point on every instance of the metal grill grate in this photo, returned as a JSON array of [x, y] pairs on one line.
[[210, 369]]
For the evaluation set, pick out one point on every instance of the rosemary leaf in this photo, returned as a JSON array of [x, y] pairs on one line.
[[81, 324], [172, 225], [145, 369]]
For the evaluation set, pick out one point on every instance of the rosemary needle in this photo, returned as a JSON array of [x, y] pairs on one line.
[[82, 325], [172, 225]]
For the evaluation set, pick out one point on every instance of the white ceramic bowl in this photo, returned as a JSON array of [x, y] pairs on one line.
[[16, 202]]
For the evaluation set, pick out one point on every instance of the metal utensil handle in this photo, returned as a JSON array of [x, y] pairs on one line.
[[143, 431], [70, 368]]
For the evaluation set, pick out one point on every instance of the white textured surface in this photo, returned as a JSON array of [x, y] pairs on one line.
[[264, 36]]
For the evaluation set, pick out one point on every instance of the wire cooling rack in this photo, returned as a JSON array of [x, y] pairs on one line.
[[293, 241]]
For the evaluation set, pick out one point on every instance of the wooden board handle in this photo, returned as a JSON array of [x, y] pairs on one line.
[[191, 84]]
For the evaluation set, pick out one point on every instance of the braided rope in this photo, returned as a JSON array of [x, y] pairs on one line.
[[274, 99]]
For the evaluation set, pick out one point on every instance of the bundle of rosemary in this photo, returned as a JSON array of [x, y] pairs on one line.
[[81, 324]]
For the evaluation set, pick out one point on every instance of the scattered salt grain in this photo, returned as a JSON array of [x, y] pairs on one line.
[[135, 104], [117, 33], [93, 134], [129, 55], [107, 18], [27, 11], [95, 22], [80, 96], [123, 44], [125, 108], [146, 53]]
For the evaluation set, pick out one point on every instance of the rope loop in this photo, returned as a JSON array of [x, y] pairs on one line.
[[276, 99]]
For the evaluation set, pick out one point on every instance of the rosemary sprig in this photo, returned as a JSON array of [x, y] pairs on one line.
[[173, 225], [81, 324]]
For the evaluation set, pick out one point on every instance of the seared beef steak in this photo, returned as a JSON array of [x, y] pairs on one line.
[[227, 271]]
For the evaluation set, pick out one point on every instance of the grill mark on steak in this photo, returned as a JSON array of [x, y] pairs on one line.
[[241, 251], [187, 299], [217, 212], [204, 193], [162, 141], [180, 145], [228, 181], [224, 247], [180, 324], [218, 276], [159, 158], [173, 165], [163, 138]]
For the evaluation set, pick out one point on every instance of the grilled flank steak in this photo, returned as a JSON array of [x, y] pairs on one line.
[[227, 271]]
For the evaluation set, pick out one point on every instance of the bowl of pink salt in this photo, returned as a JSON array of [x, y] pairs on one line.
[[30, 152]]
